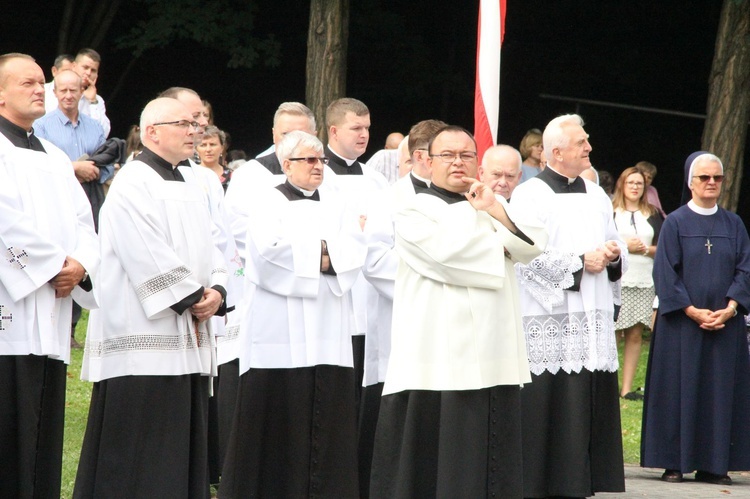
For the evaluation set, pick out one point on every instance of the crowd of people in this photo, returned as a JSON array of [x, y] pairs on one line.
[[434, 323]]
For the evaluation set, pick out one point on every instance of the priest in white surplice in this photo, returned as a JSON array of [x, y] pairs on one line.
[[449, 422], [294, 428], [571, 416], [48, 245], [151, 350]]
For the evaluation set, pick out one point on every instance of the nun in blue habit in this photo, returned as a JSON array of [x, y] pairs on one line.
[[696, 415]]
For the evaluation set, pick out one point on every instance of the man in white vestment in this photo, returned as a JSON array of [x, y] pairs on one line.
[[380, 271], [501, 169], [221, 404], [288, 117], [50, 252], [571, 416], [449, 422], [152, 352], [293, 433], [348, 122]]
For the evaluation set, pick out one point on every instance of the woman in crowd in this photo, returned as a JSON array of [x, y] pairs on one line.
[[638, 224], [294, 430], [531, 151], [697, 410], [211, 151]]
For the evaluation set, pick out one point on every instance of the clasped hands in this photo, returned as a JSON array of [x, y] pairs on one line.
[[708, 319], [68, 278], [207, 306], [597, 260]]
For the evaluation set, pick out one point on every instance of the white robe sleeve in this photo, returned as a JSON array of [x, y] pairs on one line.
[[145, 249], [32, 258], [453, 244], [284, 246]]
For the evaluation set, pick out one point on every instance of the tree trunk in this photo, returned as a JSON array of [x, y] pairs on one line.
[[728, 107], [327, 41]]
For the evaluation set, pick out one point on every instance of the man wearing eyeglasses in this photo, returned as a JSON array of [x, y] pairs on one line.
[[150, 348], [501, 169], [449, 422], [572, 442]]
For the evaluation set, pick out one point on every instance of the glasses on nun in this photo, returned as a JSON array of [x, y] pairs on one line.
[[182, 124], [312, 160], [705, 178]]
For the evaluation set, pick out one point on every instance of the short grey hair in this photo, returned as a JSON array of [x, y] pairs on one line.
[[296, 140], [554, 136], [295, 109]]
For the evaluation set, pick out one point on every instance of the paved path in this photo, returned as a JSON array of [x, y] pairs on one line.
[[645, 482]]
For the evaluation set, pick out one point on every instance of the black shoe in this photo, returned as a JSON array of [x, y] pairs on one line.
[[633, 396], [672, 476], [705, 476]]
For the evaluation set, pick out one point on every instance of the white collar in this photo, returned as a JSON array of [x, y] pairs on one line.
[[702, 211], [349, 162]]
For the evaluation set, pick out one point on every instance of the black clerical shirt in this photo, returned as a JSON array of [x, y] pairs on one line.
[[339, 166], [292, 193], [20, 137]]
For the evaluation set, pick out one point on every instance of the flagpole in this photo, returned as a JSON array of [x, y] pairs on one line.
[[490, 32]]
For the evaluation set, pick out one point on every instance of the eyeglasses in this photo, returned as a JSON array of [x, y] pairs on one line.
[[312, 160], [705, 178], [634, 184], [450, 157], [181, 123]]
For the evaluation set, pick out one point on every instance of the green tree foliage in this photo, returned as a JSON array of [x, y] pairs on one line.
[[224, 25]]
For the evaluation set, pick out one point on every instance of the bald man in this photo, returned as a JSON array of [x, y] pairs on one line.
[[151, 353], [393, 140], [501, 169]]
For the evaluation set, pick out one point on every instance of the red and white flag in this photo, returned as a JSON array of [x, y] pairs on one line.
[[490, 33]]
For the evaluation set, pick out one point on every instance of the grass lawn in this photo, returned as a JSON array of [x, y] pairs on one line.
[[77, 401], [631, 411], [79, 396]]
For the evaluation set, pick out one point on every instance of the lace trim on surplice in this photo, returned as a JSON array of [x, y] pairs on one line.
[[547, 277], [571, 342]]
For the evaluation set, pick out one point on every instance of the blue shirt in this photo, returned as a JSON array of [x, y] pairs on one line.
[[75, 140]]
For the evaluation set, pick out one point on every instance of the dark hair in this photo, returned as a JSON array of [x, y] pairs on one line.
[[62, 58], [420, 134], [450, 128], [91, 54]]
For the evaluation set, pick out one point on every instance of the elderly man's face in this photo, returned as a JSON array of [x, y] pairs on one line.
[[305, 170], [68, 90], [574, 158], [22, 92], [461, 154], [286, 123], [349, 139], [501, 172]]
